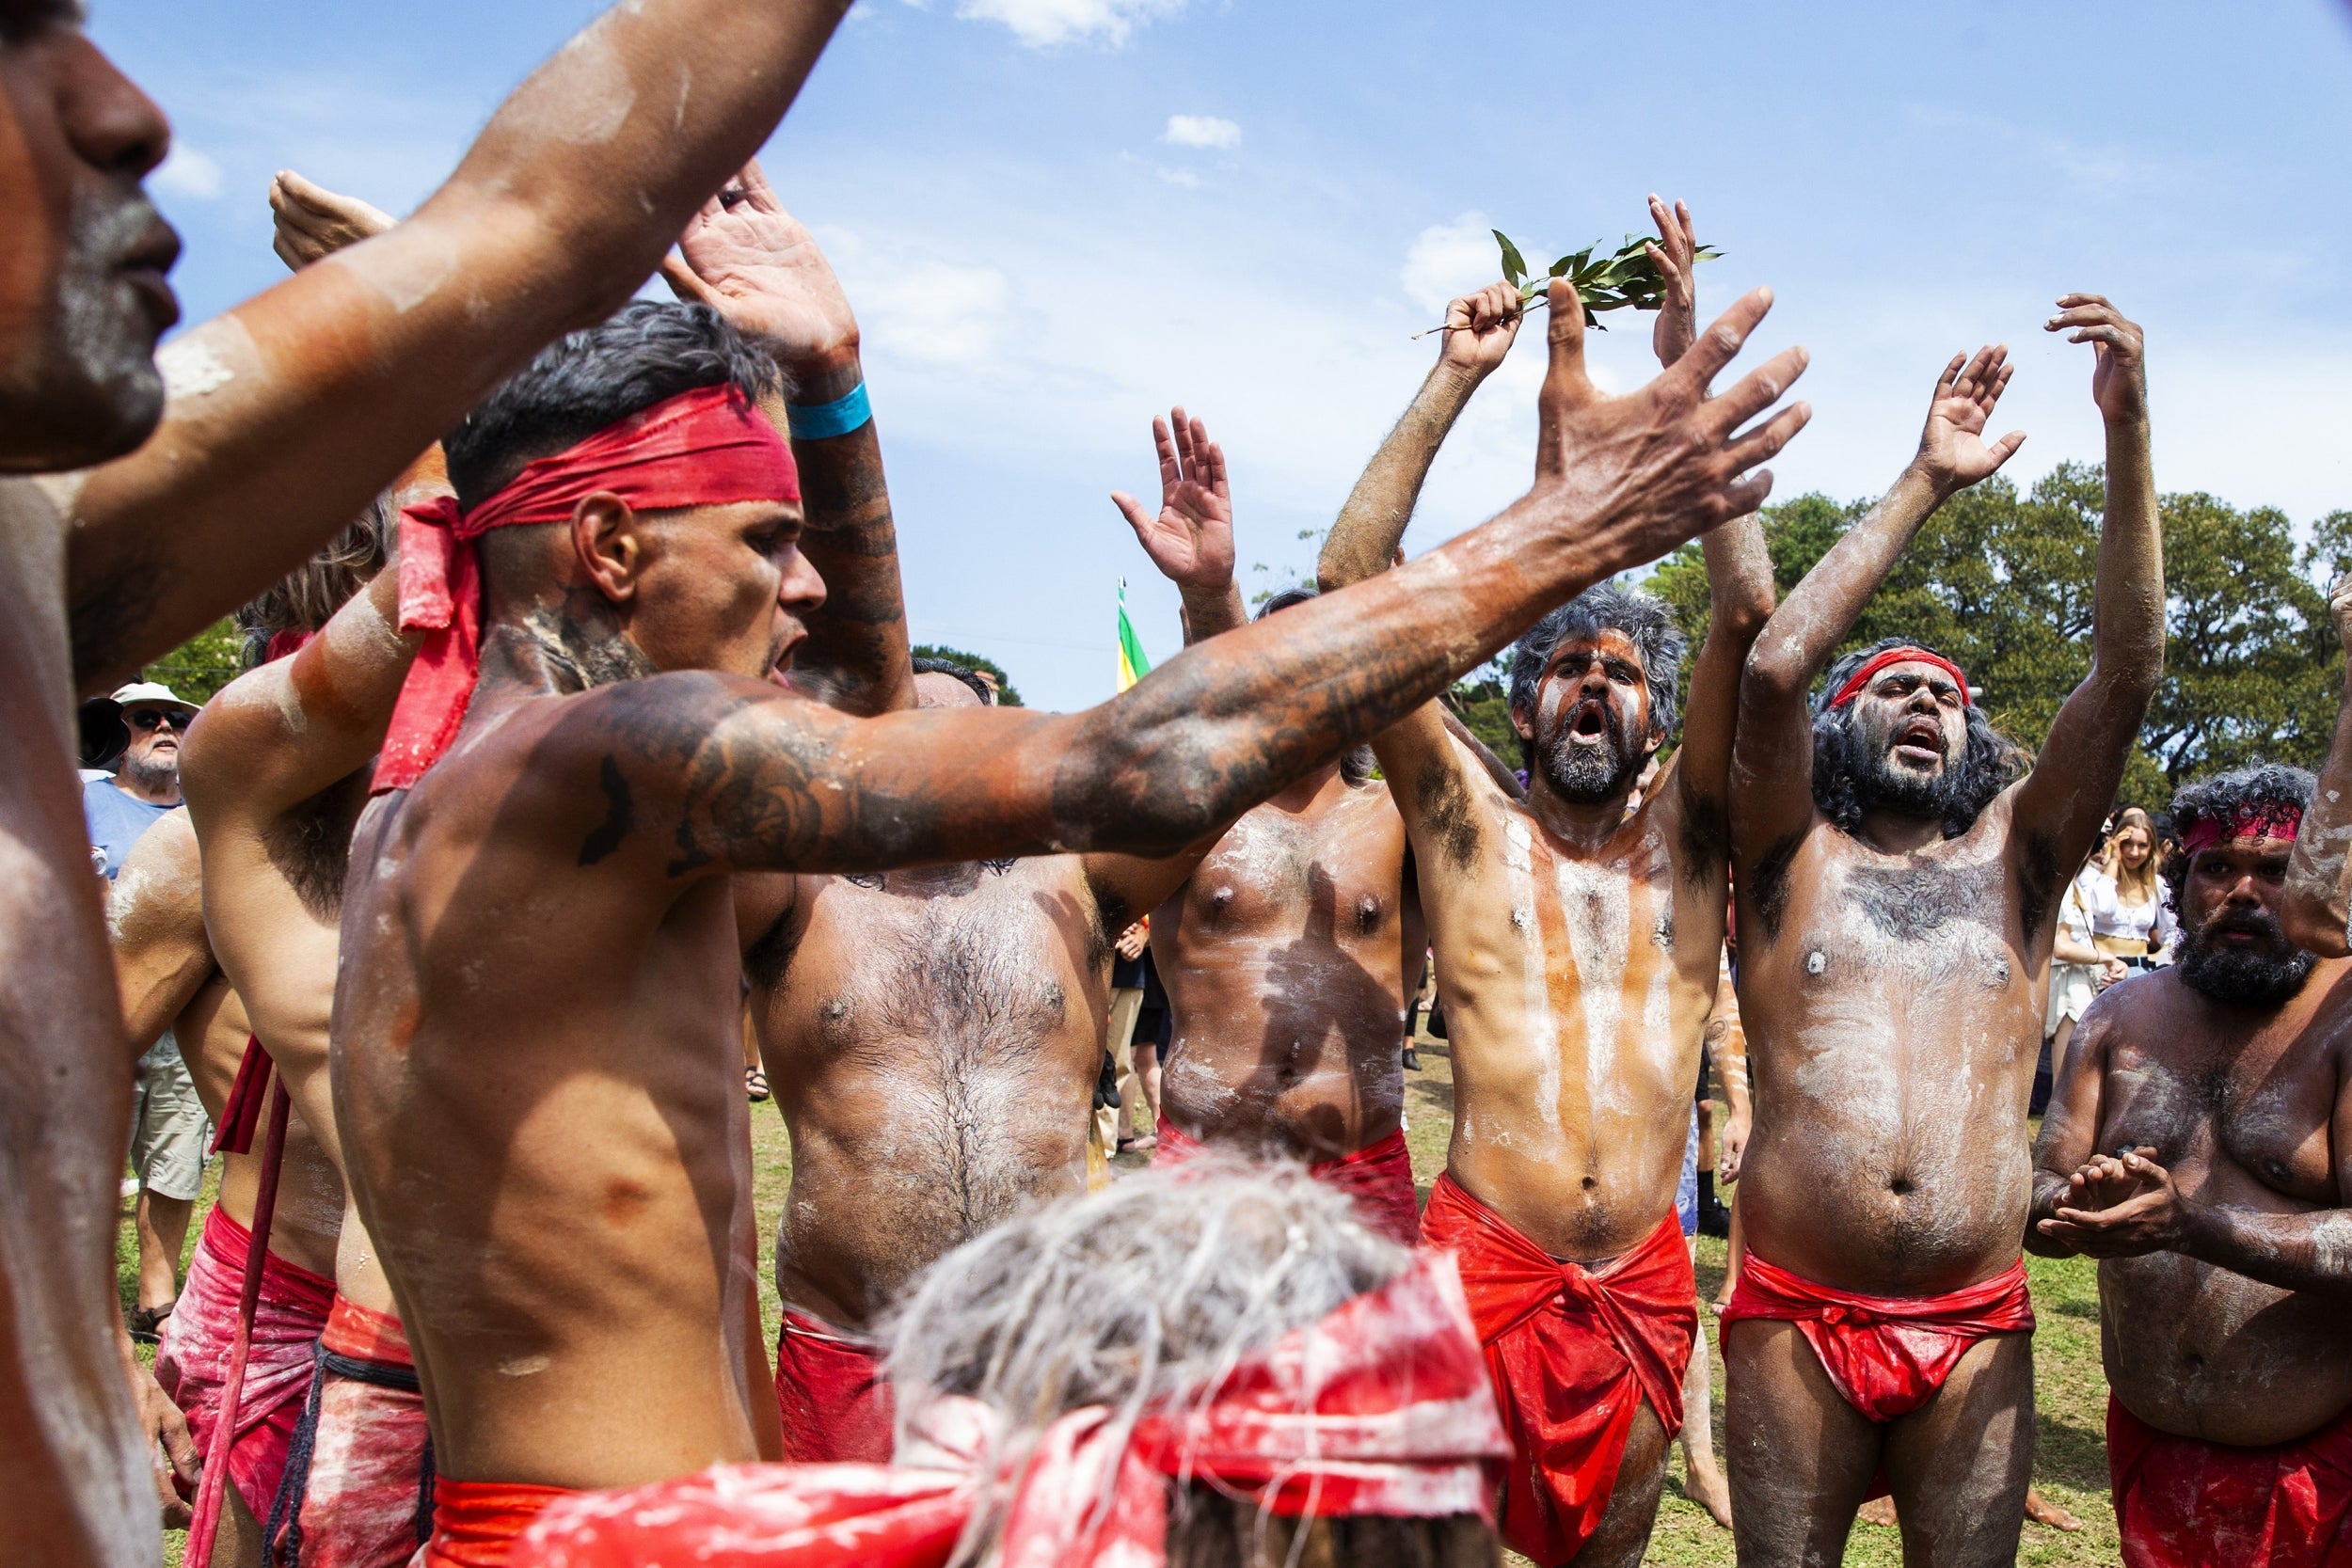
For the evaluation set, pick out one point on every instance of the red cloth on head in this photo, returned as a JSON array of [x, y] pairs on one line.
[[476, 1523], [1381, 1408], [2255, 822], [2183, 1503], [1888, 1354], [192, 1354], [1572, 1354], [832, 1394], [708, 447], [365, 1488], [1378, 1178], [1871, 666]]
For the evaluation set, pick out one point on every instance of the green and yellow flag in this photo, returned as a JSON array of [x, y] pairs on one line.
[[1132, 666]]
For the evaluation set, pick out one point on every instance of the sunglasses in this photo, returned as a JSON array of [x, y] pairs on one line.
[[146, 718]]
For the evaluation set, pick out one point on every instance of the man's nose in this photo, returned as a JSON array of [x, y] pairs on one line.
[[800, 588], [112, 124]]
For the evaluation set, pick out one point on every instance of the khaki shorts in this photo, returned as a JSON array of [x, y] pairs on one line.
[[169, 1129]]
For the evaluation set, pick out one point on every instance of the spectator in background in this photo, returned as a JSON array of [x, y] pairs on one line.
[[1132, 983], [2131, 908], [2079, 972], [168, 1128]]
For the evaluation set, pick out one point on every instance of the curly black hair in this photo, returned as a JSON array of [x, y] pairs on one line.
[[961, 673], [2225, 796], [1646, 622], [1989, 763]]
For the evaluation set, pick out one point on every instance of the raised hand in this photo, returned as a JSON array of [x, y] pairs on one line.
[[312, 221], [1952, 450], [1191, 538], [2118, 376], [1666, 462], [1676, 258], [1480, 329], [754, 263], [2340, 609]]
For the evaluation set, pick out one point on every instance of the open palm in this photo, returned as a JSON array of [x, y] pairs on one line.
[[1953, 447], [759, 266], [1191, 538]]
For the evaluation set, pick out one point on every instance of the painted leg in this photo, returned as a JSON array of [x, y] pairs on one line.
[[1960, 1466], [1798, 1455], [1702, 1479], [1623, 1535]]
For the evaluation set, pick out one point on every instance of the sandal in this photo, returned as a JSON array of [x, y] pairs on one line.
[[755, 1084]]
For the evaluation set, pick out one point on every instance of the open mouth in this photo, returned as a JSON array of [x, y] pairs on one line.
[[1920, 742], [1590, 725]]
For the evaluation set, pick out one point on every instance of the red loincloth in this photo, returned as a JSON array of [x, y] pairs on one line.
[[832, 1394], [2181, 1503], [1888, 1354], [360, 1503], [1572, 1354], [476, 1523], [1380, 1178], [192, 1354]]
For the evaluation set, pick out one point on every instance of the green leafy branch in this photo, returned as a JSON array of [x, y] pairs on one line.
[[1625, 277]]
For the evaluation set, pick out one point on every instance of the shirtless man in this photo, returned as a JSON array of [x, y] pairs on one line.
[[1897, 904], [2198, 1143], [932, 1034], [287, 416], [1578, 937], [536, 1058]]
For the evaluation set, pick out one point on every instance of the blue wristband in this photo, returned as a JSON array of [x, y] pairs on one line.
[[838, 417]]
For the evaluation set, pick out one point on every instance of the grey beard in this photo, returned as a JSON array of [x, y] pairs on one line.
[[1588, 774], [151, 776], [2243, 974]]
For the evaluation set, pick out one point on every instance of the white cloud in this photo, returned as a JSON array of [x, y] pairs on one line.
[[187, 172], [938, 313], [1448, 259], [1041, 23], [1178, 175], [1200, 131]]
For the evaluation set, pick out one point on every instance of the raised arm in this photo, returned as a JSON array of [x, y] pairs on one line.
[[155, 915], [2319, 877], [2062, 802], [773, 782], [1771, 767], [287, 415], [2070, 1133], [753, 261], [1191, 539]]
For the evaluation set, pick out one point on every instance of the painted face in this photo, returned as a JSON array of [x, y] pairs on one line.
[[725, 588], [1590, 726], [83, 298], [2233, 946], [1911, 720]]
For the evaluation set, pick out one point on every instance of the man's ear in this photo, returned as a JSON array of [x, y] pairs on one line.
[[1522, 721], [609, 543]]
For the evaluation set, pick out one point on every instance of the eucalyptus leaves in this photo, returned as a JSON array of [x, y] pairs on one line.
[[1626, 276]]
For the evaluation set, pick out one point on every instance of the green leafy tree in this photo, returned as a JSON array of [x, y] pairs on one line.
[[1006, 695], [203, 664]]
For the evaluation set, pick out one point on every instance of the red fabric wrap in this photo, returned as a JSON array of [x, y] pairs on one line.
[[832, 1394], [708, 447], [1888, 1354], [2181, 1503], [192, 1354], [367, 1459], [1381, 1408], [285, 644], [1378, 1178], [241, 1117], [476, 1523], [1572, 1354], [2255, 822], [1871, 666]]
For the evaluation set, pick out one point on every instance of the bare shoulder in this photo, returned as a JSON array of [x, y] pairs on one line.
[[161, 880], [32, 575]]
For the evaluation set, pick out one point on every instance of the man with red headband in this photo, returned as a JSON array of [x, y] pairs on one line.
[[537, 1057], [1897, 896], [1219, 1367], [1577, 936], [2198, 1143], [264, 432]]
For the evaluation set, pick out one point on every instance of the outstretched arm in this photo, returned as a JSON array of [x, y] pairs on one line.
[[155, 915], [756, 264], [310, 223], [287, 415], [1191, 541], [2066, 797], [1773, 756], [2319, 877]]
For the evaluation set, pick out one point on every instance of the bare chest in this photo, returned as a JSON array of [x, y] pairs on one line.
[[2257, 1109], [1335, 873]]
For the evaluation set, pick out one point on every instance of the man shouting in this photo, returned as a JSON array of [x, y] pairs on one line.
[[1896, 902]]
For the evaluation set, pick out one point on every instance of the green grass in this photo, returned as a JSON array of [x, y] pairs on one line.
[[2070, 1460]]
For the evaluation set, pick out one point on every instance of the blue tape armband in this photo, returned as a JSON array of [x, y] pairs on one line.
[[838, 417]]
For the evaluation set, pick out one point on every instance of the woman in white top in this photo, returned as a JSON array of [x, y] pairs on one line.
[[2079, 972], [2131, 908]]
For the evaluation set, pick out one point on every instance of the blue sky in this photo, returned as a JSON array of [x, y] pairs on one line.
[[1043, 253]]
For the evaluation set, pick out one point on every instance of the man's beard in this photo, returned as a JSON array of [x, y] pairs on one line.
[[1879, 783], [1587, 774], [154, 775], [2271, 972]]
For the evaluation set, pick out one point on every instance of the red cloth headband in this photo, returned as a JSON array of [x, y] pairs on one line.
[[1871, 666], [708, 447], [1381, 1408], [2266, 822]]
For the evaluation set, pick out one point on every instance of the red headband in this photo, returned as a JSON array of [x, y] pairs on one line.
[[708, 447], [2258, 822], [1871, 666], [1381, 1408]]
